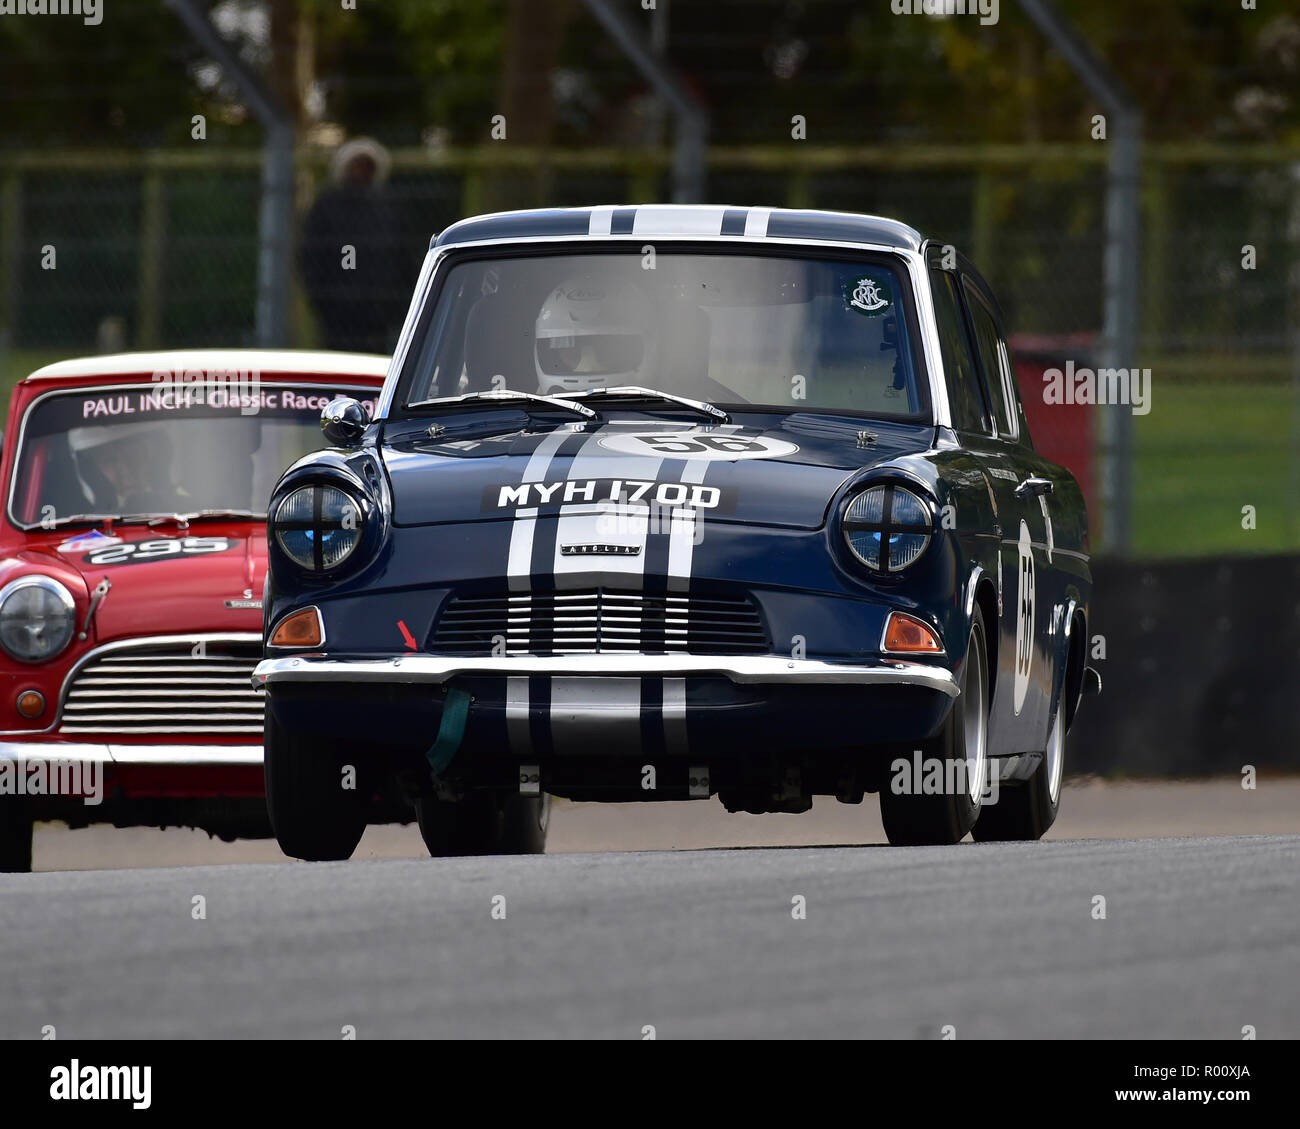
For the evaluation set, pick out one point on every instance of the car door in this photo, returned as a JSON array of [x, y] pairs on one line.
[[985, 457], [1027, 589]]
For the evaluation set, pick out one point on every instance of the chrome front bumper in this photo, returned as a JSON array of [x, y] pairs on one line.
[[743, 669], [200, 755]]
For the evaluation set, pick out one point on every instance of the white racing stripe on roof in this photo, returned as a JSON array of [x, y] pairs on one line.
[[678, 220], [601, 217], [756, 221]]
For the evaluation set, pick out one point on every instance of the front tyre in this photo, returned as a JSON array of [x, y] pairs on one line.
[[911, 816], [483, 823], [314, 813], [15, 837], [1024, 812]]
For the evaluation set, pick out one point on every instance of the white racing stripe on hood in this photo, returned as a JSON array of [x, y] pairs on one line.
[[606, 523], [681, 547], [519, 567]]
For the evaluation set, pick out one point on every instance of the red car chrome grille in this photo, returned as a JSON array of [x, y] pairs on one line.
[[167, 688]]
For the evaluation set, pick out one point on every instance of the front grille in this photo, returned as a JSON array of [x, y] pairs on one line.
[[167, 688], [599, 621]]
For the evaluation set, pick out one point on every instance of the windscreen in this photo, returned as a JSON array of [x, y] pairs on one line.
[[793, 332], [149, 449]]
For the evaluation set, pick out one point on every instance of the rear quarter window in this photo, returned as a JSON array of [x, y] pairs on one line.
[[959, 370], [996, 376]]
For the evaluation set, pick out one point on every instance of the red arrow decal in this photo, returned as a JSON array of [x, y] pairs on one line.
[[406, 634]]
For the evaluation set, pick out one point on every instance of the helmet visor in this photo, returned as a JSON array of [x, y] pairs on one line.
[[590, 354]]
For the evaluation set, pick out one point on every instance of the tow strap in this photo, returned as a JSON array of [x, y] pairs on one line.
[[451, 732]]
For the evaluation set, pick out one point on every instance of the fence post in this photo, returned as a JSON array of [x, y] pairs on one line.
[[690, 145], [1293, 335], [276, 214], [149, 294], [1121, 263]]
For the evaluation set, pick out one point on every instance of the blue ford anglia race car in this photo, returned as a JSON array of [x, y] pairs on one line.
[[668, 502]]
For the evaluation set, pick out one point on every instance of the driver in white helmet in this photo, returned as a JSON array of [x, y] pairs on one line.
[[126, 469], [593, 334]]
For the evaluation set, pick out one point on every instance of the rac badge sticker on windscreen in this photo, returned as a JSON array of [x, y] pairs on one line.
[[715, 446], [865, 296], [158, 549]]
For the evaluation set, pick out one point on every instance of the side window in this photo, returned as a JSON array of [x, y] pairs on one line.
[[995, 376], [1013, 394], [958, 361]]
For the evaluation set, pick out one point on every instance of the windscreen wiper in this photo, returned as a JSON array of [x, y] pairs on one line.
[[93, 519], [507, 396], [200, 515], [184, 519], [634, 392]]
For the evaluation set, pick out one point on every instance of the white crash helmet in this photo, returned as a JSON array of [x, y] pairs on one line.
[[86, 443], [591, 334]]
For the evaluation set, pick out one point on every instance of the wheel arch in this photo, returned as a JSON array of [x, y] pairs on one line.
[[1076, 660], [986, 599]]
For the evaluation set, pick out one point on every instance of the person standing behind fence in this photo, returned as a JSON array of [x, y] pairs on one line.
[[353, 263]]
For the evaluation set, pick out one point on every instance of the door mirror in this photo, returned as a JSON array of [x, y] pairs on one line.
[[344, 421]]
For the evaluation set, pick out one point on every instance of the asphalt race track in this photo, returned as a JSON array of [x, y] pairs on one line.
[[1198, 941]]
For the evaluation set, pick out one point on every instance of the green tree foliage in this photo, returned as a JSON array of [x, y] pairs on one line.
[[124, 82], [412, 71]]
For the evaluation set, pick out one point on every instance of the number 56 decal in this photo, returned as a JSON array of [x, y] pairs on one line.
[[161, 548], [696, 444]]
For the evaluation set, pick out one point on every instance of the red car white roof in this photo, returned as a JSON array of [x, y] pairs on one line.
[[280, 361]]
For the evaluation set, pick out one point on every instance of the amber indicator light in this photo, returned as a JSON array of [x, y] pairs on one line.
[[302, 629]]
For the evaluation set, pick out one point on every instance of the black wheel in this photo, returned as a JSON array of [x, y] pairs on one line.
[[1025, 811], [484, 824], [314, 815], [916, 817], [15, 837]]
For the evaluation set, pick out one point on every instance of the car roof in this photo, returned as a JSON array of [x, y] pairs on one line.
[[287, 362], [700, 221]]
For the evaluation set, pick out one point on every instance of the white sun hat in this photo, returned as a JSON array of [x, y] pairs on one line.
[[349, 151]]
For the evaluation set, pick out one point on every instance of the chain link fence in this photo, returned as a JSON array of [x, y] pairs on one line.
[[103, 252]]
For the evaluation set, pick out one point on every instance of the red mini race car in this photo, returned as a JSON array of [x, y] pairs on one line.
[[132, 562]]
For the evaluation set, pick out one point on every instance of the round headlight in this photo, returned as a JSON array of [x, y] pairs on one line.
[[37, 618], [318, 527], [887, 528]]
